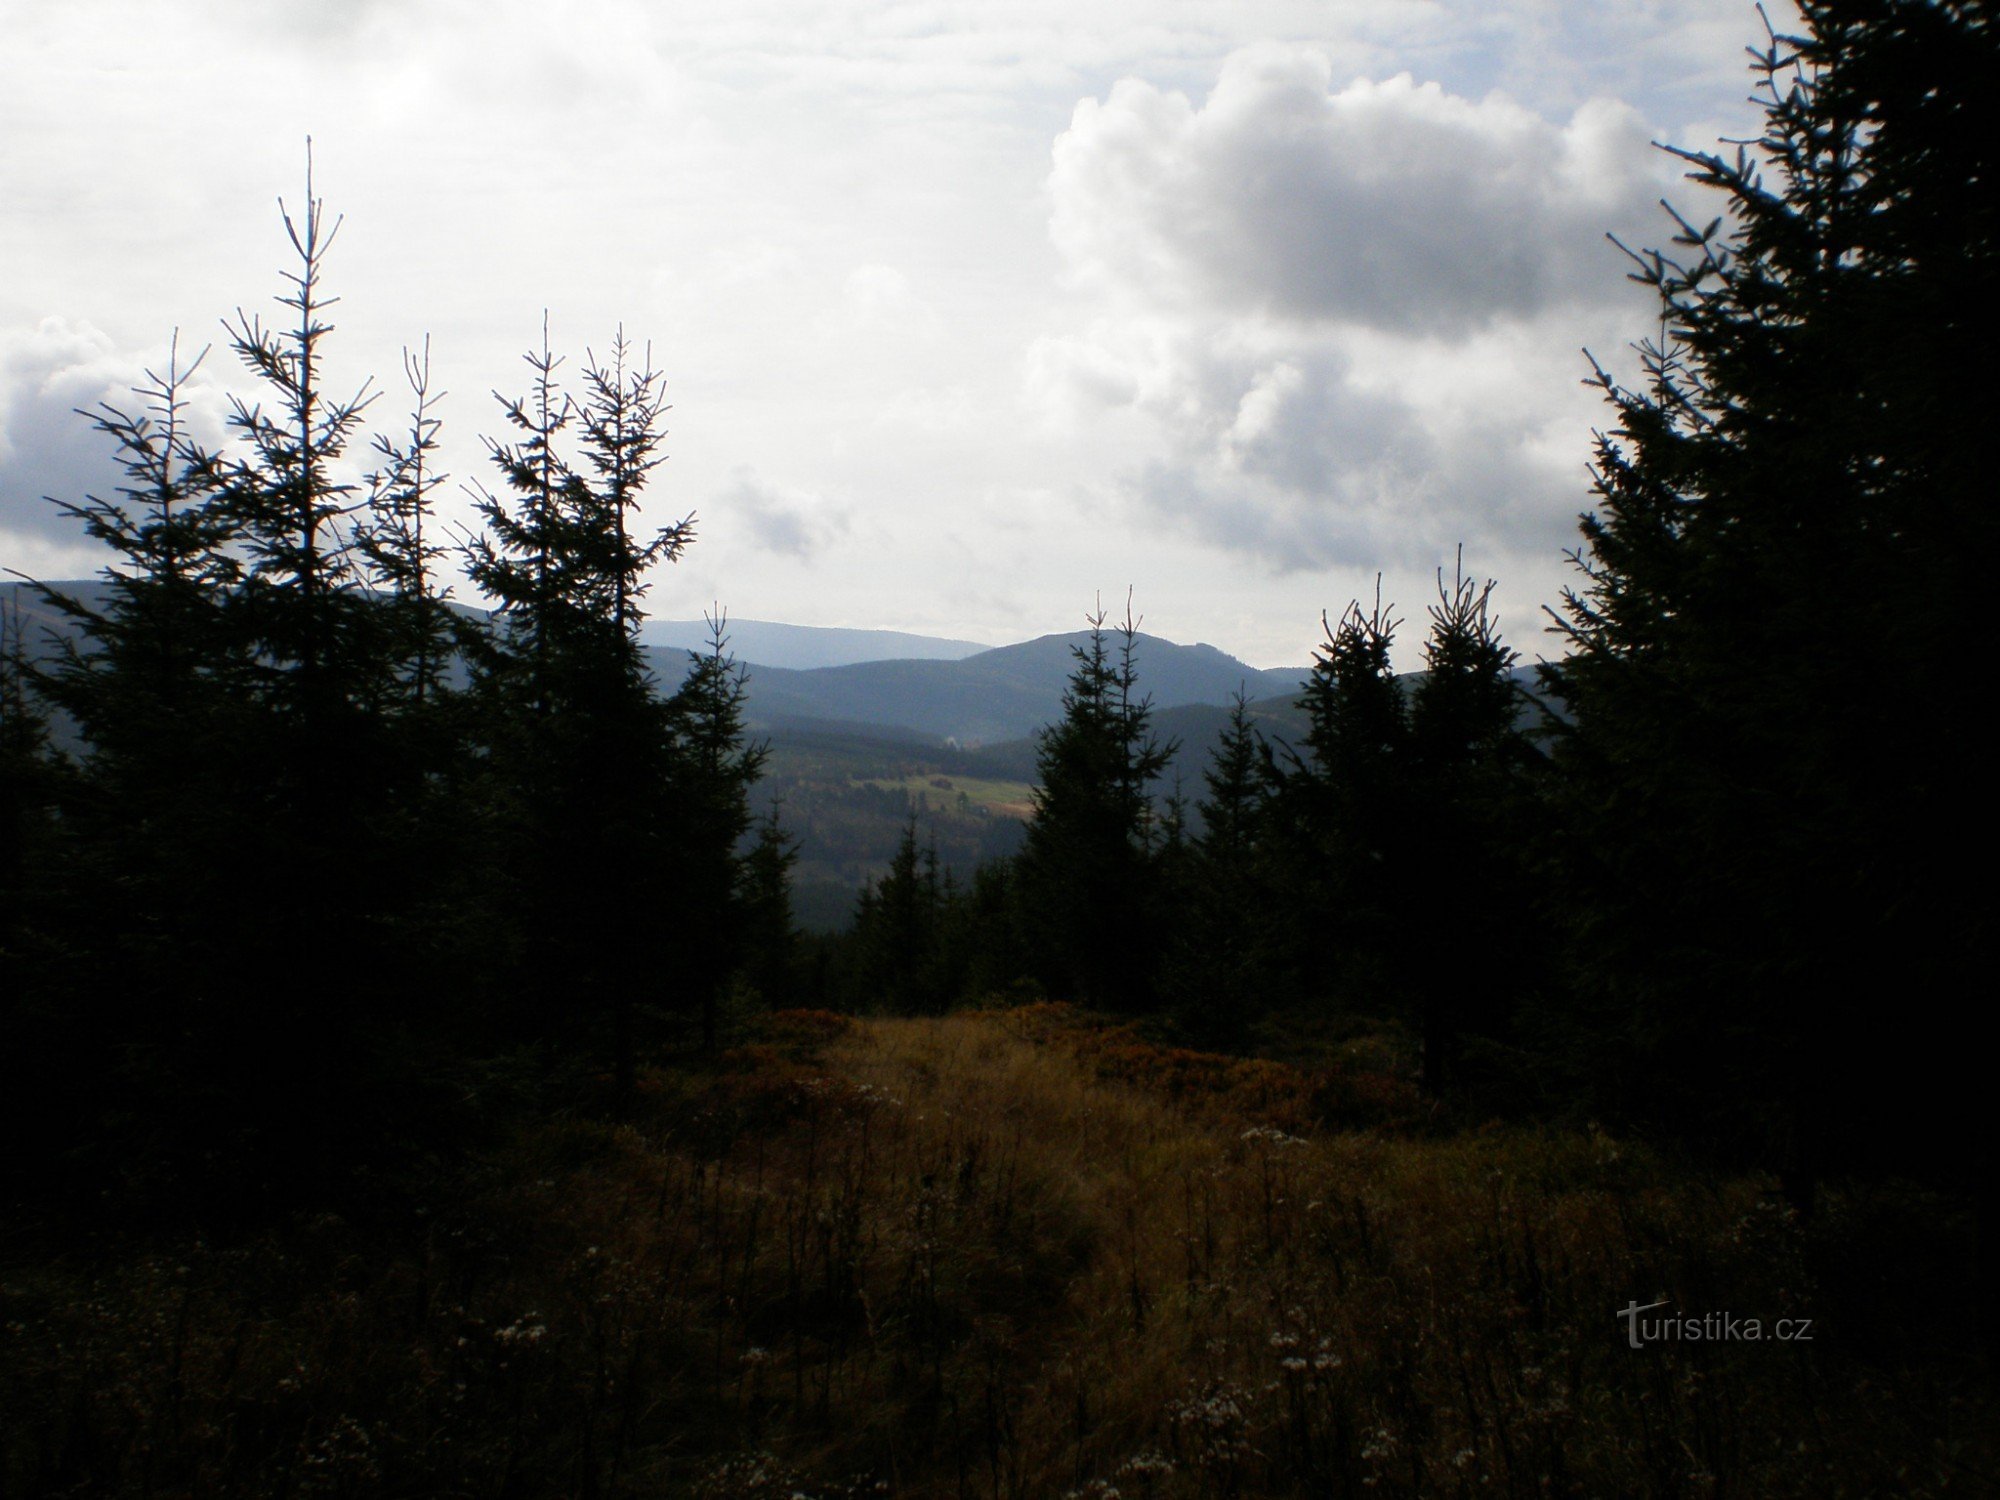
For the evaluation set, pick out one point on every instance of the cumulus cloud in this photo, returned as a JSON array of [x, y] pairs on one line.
[[1392, 204], [1339, 304], [788, 521], [1297, 458]]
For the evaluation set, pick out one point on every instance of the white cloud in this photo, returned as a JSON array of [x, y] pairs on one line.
[[1390, 204], [1351, 312]]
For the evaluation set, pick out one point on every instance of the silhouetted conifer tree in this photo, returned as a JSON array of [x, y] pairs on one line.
[[585, 751], [715, 764], [898, 934], [1343, 819], [1774, 773], [398, 541], [160, 693], [770, 962], [430, 896], [1087, 873], [1219, 974], [320, 812], [1469, 935]]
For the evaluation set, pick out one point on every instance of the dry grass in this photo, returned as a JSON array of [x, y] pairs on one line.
[[987, 1255]]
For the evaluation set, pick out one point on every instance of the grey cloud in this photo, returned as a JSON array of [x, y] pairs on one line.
[[1338, 305], [1387, 514], [46, 449], [1293, 460], [1387, 204], [780, 520], [1299, 422], [48, 376]]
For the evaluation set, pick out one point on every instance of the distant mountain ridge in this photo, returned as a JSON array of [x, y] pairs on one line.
[[858, 746], [959, 691], [768, 643], [1006, 693]]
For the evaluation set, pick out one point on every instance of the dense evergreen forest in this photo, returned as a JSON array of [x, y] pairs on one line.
[[336, 860], [332, 905]]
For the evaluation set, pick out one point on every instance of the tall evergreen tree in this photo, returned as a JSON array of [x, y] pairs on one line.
[[584, 748], [1087, 869], [227, 814], [714, 765], [1467, 777], [399, 545], [899, 932], [158, 689], [318, 821], [1773, 642], [1219, 971], [1343, 810], [769, 961], [429, 898]]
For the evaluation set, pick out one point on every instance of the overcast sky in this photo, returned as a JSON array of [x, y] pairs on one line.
[[968, 311]]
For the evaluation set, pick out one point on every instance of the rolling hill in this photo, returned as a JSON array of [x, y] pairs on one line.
[[859, 746]]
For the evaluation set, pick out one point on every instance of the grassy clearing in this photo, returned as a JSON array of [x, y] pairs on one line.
[[1007, 799], [1001, 1254]]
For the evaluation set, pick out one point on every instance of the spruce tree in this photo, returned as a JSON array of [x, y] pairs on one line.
[[158, 690], [713, 766], [584, 752], [324, 818], [1219, 973], [398, 542], [1468, 919], [1232, 812], [769, 960], [1343, 819], [898, 934], [1773, 765], [1087, 871]]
